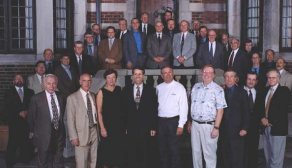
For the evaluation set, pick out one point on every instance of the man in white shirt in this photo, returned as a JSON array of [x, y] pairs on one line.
[[172, 113], [82, 124], [146, 27]]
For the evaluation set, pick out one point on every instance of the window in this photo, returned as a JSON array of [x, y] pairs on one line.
[[63, 26], [17, 26], [286, 31], [253, 22]]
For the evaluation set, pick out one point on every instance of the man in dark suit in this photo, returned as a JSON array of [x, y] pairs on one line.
[[166, 18], [237, 61], [50, 62], [92, 50], [249, 49], [67, 78], [196, 29], [252, 138], [269, 62], [171, 28], [123, 29], [16, 101], [234, 123], [45, 119], [203, 35], [81, 63], [261, 71], [134, 46], [274, 119], [159, 48], [211, 53], [97, 36], [145, 27], [140, 108], [225, 41]]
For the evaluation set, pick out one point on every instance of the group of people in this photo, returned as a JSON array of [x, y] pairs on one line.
[[224, 121]]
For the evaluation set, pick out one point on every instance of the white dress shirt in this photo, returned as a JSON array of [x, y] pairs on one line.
[[185, 35], [267, 96], [172, 100], [94, 114], [235, 52], [253, 92], [159, 34], [78, 57], [40, 78], [281, 71], [49, 99], [213, 47], [146, 26], [124, 32], [135, 90]]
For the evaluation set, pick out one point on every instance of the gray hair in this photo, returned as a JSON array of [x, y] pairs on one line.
[[51, 76], [274, 70]]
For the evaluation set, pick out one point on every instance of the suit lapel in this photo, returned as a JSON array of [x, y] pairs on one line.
[[81, 102], [47, 108], [132, 38], [60, 105]]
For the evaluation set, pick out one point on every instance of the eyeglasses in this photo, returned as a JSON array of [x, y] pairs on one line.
[[208, 72]]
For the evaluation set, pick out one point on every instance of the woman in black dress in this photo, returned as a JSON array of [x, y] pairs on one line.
[[110, 120]]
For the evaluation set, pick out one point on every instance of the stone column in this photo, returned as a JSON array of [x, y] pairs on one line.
[[130, 11], [234, 18], [184, 11], [79, 19], [271, 25]]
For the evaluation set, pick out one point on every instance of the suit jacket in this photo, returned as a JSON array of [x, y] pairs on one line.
[[117, 35], [143, 120], [130, 50], [162, 50], [204, 57], [189, 49], [265, 64], [77, 118], [167, 32], [33, 83], [150, 29], [94, 58], [115, 53], [87, 64], [55, 63], [94, 37], [278, 110], [286, 79], [240, 65], [199, 42], [40, 123], [65, 85], [262, 78]]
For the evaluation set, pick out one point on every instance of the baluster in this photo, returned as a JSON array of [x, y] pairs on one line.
[[145, 79], [177, 78], [155, 81], [189, 77]]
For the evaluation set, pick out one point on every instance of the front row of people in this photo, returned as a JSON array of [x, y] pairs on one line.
[[231, 117]]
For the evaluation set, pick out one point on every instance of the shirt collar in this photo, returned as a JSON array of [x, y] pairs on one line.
[[125, 31], [140, 87], [78, 57], [83, 92], [208, 86], [275, 87], [281, 71], [247, 89], [49, 94], [16, 87], [65, 66]]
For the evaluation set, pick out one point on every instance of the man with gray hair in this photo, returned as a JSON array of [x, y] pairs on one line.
[[45, 119]]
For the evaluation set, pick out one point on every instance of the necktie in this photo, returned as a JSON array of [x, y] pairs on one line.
[[211, 50], [231, 60], [159, 39], [49, 68], [42, 82], [182, 43], [250, 98], [269, 101], [137, 99], [170, 33], [55, 112], [144, 29], [20, 94], [80, 65], [122, 35], [110, 44], [96, 40], [69, 73], [256, 71], [90, 50], [89, 111]]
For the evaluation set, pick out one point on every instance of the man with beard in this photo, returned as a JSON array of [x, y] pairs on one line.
[[286, 77], [16, 101]]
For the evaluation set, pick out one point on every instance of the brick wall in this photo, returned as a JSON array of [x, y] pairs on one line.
[[208, 1], [106, 17], [210, 17]]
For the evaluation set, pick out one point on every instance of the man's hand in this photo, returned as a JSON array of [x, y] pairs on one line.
[[242, 132], [214, 133], [23, 114], [157, 60], [129, 65], [189, 126], [152, 133], [179, 131], [265, 122], [103, 133], [75, 142], [111, 61], [181, 59], [30, 136]]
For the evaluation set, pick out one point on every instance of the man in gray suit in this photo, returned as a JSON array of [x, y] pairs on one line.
[[286, 77], [184, 47], [159, 48], [45, 119], [36, 81], [211, 53]]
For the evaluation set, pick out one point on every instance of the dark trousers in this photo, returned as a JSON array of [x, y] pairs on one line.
[[56, 149], [251, 145], [169, 143], [233, 152], [19, 148]]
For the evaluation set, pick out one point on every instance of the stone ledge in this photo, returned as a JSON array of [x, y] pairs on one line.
[[17, 59]]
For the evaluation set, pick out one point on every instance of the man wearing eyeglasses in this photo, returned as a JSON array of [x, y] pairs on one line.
[[207, 106]]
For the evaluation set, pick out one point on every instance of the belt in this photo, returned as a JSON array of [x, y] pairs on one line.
[[169, 118], [205, 122]]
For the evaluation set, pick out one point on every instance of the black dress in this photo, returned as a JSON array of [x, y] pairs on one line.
[[111, 150]]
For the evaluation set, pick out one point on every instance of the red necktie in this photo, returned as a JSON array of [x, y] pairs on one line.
[[231, 60]]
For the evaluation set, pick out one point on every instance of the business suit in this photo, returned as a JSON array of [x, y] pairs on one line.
[[78, 127], [162, 50], [114, 53], [54, 64], [262, 77], [286, 79], [149, 30], [239, 65], [130, 49], [139, 123], [235, 118], [201, 40], [268, 66], [189, 49], [33, 83], [118, 35], [94, 57], [204, 57], [170, 34], [18, 126], [66, 85], [87, 64], [45, 137], [275, 136]]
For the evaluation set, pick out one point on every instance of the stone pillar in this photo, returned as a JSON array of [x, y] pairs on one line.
[[130, 11], [234, 18], [271, 28], [79, 19], [184, 12]]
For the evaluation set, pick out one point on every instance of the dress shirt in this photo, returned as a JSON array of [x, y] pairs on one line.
[[235, 52], [138, 40], [92, 49], [146, 26], [267, 96], [206, 100], [172, 100], [185, 35], [94, 114], [159, 34], [109, 40], [98, 39], [135, 90], [253, 91], [67, 69], [49, 99], [16, 87], [123, 33], [257, 71], [40, 78], [47, 63], [213, 47], [281, 71], [203, 40], [77, 57]]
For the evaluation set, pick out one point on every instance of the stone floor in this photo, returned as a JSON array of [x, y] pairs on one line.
[[186, 157]]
